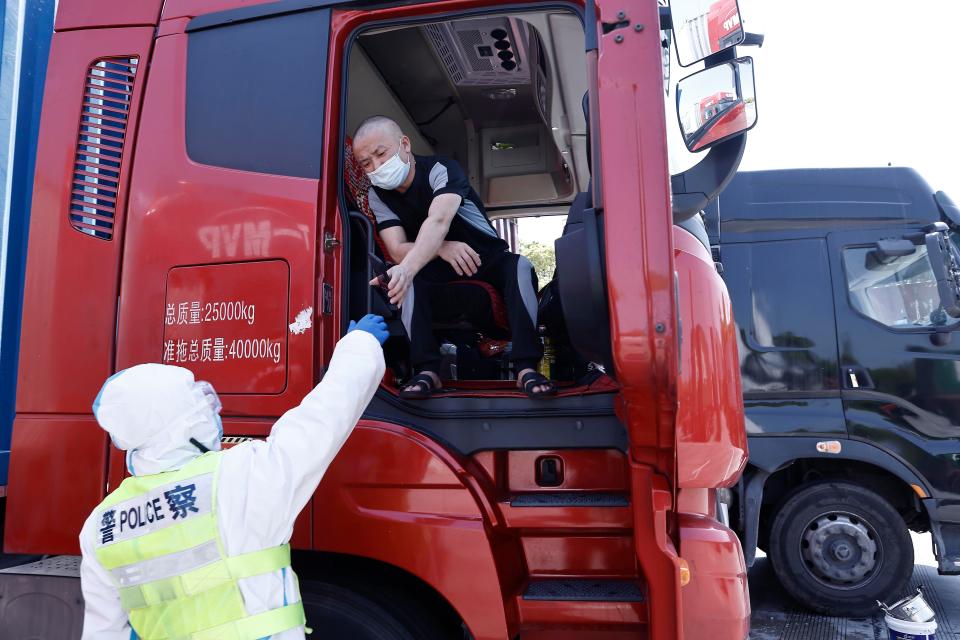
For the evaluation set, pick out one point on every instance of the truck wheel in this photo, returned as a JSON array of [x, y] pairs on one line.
[[335, 612], [837, 548]]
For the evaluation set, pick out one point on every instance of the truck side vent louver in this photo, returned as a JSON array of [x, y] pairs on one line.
[[108, 91]]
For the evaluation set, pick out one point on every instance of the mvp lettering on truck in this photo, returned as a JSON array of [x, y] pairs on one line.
[[196, 203]]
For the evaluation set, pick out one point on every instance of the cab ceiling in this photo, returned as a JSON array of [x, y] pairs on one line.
[[411, 72], [447, 108]]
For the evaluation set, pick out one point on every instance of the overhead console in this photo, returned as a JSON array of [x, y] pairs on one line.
[[497, 67], [490, 92], [499, 71]]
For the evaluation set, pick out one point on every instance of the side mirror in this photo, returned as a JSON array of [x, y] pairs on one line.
[[945, 262], [701, 28], [887, 251], [949, 210], [717, 104]]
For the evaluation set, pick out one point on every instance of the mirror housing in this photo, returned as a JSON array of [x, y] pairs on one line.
[[945, 263], [716, 104], [948, 210], [701, 28], [697, 187]]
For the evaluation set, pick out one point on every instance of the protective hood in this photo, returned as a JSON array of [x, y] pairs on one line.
[[151, 411]]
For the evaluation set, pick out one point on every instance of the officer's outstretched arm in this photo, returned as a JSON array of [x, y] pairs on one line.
[[305, 439], [273, 480]]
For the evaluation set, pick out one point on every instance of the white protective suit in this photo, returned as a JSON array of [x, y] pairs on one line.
[[153, 410]]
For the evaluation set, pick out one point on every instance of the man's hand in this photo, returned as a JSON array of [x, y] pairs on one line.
[[400, 281], [464, 260], [372, 324]]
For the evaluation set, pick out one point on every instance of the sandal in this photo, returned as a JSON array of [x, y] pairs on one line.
[[533, 379], [422, 385]]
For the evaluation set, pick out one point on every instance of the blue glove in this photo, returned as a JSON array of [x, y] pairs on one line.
[[372, 324]]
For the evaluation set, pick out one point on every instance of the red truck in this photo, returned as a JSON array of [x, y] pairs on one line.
[[723, 24], [195, 203], [719, 116], [704, 28]]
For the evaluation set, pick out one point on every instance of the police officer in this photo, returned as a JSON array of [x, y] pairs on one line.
[[195, 543]]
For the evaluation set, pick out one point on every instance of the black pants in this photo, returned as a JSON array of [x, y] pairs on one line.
[[510, 274]]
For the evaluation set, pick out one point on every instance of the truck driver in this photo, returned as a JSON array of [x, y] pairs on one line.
[[428, 199]]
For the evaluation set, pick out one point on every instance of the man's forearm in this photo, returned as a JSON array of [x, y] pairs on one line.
[[428, 243], [400, 252]]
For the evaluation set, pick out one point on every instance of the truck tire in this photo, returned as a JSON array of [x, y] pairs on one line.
[[837, 548], [335, 612], [411, 609]]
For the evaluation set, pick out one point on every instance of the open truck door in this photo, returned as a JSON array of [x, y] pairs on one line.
[[631, 174], [622, 269]]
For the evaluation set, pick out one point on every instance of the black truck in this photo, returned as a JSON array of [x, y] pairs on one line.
[[843, 283]]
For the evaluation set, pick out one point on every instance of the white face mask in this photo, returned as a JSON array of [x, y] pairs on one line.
[[391, 173]]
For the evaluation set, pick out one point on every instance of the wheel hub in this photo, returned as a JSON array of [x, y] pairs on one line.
[[840, 549]]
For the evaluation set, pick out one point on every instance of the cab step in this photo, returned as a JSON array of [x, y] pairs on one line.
[[583, 590], [582, 608], [570, 499], [567, 510]]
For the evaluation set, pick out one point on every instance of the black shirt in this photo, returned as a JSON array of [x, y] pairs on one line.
[[436, 175]]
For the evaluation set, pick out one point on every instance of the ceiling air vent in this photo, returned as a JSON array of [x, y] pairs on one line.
[[445, 53], [108, 91], [484, 52]]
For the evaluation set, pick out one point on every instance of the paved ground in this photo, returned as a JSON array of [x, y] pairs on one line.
[[777, 617]]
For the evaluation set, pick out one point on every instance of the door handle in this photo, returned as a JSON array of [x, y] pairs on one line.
[[857, 378]]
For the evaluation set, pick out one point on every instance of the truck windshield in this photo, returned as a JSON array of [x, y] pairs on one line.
[[901, 293]]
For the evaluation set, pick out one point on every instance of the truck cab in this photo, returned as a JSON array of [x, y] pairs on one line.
[[196, 204], [850, 376]]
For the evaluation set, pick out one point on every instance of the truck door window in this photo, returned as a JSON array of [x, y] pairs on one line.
[[787, 334], [255, 94], [900, 293]]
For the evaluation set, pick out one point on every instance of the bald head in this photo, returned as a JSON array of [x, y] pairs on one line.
[[377, 126], [378, 139]]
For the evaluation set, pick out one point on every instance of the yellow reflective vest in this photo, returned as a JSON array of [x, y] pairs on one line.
[[158, 539]]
